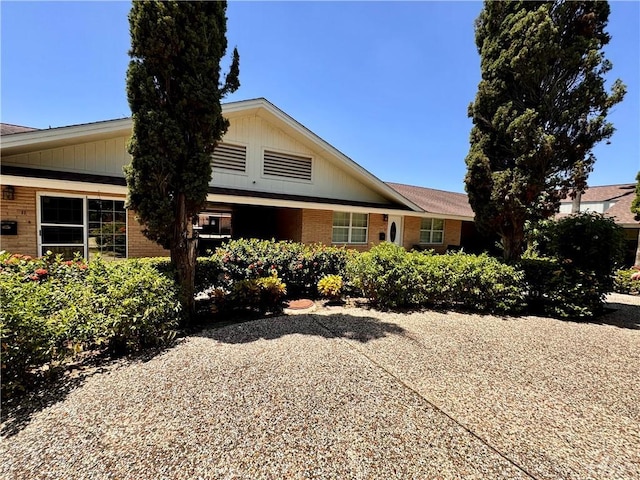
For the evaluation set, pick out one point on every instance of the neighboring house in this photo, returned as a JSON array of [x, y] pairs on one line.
[[64, 191], [613, 201]]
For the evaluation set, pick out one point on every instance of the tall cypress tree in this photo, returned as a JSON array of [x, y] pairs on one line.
[[540, 108], [174, 91]]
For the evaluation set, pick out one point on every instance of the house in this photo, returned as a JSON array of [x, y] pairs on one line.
[[613, 201], [64, 191]]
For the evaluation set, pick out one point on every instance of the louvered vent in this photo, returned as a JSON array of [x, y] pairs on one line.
[[287, 166], [230, 157]]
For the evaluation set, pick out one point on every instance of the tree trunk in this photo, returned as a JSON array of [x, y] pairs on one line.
[[513, 244], [575, 204], [183, 257]]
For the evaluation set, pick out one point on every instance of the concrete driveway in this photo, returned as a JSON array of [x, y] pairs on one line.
[[354, 393]]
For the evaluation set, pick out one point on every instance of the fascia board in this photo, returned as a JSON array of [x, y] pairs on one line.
[[41, 139]]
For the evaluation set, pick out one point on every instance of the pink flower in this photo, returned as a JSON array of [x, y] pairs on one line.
[[41, 272]]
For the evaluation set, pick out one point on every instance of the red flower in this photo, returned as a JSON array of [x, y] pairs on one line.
[[35, 278], [83, 266], [41, 272], [68, 263]]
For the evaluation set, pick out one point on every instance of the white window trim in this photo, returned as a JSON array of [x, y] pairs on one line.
[[85, 227], [431, 231], [350, 228]]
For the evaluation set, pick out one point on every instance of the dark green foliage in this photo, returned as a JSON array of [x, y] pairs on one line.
[[541, 107], [53, 309], [392, 278], [299, 266], [174, 91], [259, 295], [572, 266]]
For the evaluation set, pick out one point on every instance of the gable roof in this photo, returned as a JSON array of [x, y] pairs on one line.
[[436, 201], [10, 129], [26, 141]]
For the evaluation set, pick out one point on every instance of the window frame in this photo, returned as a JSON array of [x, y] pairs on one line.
[[84, 246], [431, 231], [350, 228]]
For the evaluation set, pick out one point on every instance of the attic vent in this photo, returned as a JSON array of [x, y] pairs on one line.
[[230, 157], [287, 166]]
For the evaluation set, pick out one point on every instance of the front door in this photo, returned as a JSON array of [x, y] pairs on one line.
[[394, 229]]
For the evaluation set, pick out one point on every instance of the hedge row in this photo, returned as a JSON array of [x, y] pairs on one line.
[[392, 277]]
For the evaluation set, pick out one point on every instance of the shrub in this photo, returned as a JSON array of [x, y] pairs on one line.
[[299, 266], [265, 294], [53, 308], [571, 268], [330, 286], [137, 307], [622, 282], [392, 277]]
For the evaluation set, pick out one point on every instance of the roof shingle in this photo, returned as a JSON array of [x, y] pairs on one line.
[[436, 201]]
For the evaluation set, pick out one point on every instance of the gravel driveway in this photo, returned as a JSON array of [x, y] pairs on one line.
[[354, 393]]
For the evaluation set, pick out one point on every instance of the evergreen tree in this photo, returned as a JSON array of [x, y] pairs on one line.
[[174, 91], [540, 108]]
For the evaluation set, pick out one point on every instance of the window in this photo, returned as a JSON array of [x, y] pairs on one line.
[[432, 230], [349, 227], [285, 165], [230, 157], [86, 226], [107, 228]]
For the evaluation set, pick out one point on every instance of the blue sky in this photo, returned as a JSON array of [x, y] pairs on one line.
[[387, 83]]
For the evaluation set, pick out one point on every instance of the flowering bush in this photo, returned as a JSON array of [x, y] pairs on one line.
[[299, 266]]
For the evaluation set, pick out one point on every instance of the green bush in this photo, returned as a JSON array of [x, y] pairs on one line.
[[208, 270], [392, 278], [299, 266], [137, 307], [265, 294], [622, 282], [53, 308], [560, 290], [571, 267]]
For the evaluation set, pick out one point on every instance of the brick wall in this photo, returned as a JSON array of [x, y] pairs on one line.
[[139, 245], [452, 229], [411, 232], [23, 210], [317, 226]]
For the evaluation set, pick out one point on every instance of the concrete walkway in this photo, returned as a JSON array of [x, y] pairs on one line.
[[353, 393]]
